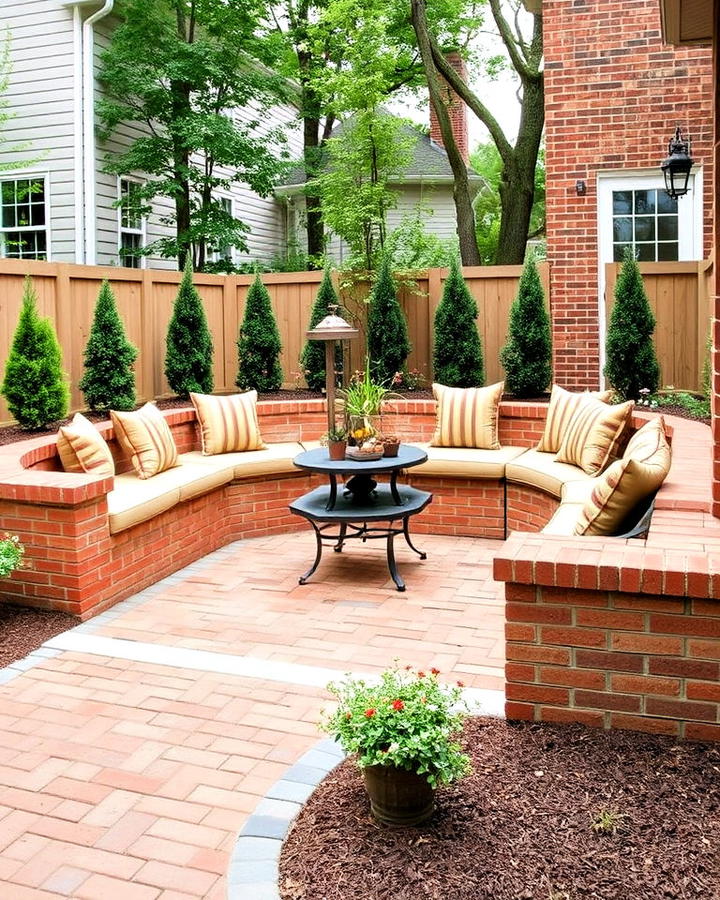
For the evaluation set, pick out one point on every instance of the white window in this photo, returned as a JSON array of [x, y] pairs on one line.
[[131, 231], [226, 251], [24, 218]]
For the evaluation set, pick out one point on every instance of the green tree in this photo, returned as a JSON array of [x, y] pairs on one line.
[[109, 380], [457, 351], [388, 343], [188, 359], [527, 355], [34, 385], [312, 358], [259, 343], [631, 364], [178, 69]]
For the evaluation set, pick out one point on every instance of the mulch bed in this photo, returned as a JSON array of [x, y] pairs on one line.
[[520, 827], [23, 630]]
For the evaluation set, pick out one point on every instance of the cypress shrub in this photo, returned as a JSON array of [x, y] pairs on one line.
[[312, 358], [34, 385], [188, 360], [631, 364], [527, 355], [457, 351], [388, 343], [259, 343], [109, 380]]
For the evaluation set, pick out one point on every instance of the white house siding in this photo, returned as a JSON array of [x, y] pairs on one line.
[[40, 97]]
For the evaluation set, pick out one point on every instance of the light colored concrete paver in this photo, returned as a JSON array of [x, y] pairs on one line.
[[135, 748]]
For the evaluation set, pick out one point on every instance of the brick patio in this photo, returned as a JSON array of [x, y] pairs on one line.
[[125, 774]]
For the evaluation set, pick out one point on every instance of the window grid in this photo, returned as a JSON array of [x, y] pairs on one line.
[[647, 221], [132, 225], [23, 230]]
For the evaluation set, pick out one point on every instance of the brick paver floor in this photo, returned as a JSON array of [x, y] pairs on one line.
[[130, 760]]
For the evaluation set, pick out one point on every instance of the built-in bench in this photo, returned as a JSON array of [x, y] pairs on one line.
[[94, 540]]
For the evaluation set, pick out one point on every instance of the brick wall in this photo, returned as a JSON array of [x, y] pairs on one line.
[[613, 96], [457, 110]]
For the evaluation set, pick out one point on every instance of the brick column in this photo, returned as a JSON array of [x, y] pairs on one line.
[[715, 352], [457, 110]]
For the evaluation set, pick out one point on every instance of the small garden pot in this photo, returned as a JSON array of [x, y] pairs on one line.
[[336, 449], [398, 797]]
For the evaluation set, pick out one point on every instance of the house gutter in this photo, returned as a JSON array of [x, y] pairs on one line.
[[88, 136], [78, 138]]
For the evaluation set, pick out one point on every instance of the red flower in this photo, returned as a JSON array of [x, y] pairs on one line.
[[435, 671], [461, 684], [407, 668], [369, 713], [398, 704], [420, 674], [423, 699], [348, 715]]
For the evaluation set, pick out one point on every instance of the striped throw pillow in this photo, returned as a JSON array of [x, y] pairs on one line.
[[467, 417], [146, 438], [228, 424], [649, 443], [562, 407], [593, 433], [83, 449]]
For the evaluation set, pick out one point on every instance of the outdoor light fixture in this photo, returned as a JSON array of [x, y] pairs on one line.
[[676, 168], [580, 188], [332, 328]]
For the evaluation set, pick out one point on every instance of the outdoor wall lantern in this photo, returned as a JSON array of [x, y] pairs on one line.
[[330, 329], [676, 168]]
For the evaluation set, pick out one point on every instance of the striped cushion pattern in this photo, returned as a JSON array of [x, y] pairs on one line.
[[593, 433], [146, 438], [562, 407], [649, 443], [228, 424], [83, 449], [467, 417]]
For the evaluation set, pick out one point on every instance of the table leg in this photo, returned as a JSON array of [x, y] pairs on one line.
[[406, 532], [318, 556], [393, 487], [341, 539], [332, 497], [394, 574]]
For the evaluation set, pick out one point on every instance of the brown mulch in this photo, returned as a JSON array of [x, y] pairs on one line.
[[23, 630], [520, 827]]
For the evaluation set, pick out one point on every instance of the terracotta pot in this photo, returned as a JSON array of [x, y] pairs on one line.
[[398, 797], [336, 449], [391, 449]]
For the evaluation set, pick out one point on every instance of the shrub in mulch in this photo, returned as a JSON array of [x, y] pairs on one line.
[[550, 813]]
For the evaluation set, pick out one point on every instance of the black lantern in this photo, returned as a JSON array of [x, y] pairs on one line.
[[676, 168]]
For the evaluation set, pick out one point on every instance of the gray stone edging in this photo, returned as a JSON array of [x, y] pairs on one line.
[[253, 870]]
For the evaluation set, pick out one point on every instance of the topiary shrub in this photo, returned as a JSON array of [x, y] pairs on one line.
[[631, 364], [34, 385], [457, 350], [259, 343], [188, 359], [312, 358], [527, 355], [388, 343], [109, 381]]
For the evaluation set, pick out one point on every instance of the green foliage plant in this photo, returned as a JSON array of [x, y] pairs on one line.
[[312, 357], [631, 364], [335, 434], [527, 355], [408, 720], [11, 554], [364, 396], [457, 350], [34, 385], [388, 342], [706, 378], [189, 347], [109, 380], [411, 246], [259, 343]]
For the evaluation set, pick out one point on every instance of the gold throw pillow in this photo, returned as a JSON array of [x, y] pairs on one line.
[[562, 407], [228, 424], [146, 438], [593, 433], [467, 417], [83, 449]]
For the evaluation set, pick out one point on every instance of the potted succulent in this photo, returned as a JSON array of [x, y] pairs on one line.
[[336, 441], [402, 730], [363, 401]]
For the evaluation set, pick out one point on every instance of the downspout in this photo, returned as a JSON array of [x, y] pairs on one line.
[[89, 162], [78, 137]]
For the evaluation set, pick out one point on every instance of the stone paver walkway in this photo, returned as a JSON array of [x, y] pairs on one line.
[[134, 748]]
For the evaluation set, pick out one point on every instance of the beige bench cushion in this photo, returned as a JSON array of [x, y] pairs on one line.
[[466, 462], [565, 519], [275, 459], [134, 500], [541, 470]]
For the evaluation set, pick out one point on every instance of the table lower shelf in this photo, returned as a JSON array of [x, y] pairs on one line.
[[355, 521]]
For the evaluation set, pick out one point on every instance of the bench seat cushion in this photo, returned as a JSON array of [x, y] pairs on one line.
[[134, 500], [466, 462], [541, 470], [564, 520], [275, 459]]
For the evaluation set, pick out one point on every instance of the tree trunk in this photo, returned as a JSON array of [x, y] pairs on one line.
[[314, 220], [469, 253]]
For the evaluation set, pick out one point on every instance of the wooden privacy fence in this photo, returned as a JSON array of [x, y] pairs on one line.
[[67, 294], [679, 295]]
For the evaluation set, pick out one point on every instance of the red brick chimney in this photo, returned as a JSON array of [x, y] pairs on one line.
[[457, 110]]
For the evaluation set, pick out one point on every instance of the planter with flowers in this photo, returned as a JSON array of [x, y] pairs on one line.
[[403, 730], [11, 554]]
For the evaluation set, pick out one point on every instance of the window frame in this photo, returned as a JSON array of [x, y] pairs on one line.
[[28, 175], [216, 255], [121, 230]]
